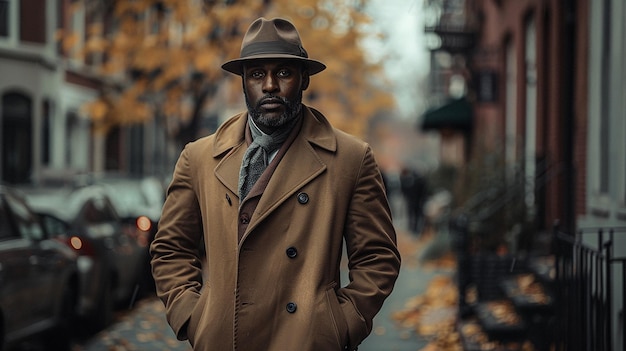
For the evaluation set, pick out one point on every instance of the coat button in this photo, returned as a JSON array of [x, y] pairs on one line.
[[291, 307], [244, 218], [303, 198], [292, 252]]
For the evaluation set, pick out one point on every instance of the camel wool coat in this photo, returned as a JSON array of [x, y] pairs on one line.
[[278, 288]]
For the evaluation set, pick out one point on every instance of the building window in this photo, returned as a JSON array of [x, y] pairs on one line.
[[510, 104], [71, 135], [46, 132], [16, 138], [622, 108], [530, 142], [77, 28], [113, 151], [33, 21], [605, 97], [60, 16], [4, 18]]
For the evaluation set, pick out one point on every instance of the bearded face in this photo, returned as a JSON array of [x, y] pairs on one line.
[[291, 110], [273, 92]]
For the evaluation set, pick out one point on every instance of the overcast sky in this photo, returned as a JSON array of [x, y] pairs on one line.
[[405, 52]]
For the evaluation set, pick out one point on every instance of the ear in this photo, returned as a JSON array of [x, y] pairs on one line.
[[305, 80]]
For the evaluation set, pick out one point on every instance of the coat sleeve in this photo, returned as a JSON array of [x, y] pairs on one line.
[[176, 261], [373, 257]]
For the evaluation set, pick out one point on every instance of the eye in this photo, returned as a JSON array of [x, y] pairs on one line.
[[284, 72], [256, 74]]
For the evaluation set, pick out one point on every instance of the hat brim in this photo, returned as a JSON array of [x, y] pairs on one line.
[[236, 66]]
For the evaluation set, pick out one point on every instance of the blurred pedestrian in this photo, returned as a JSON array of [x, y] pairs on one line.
[[413, 187], [274, 193]]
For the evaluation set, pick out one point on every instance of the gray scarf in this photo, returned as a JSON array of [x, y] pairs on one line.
[[255, 159]]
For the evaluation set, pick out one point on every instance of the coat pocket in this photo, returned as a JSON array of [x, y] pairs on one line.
[[338, 320], [196, 315]]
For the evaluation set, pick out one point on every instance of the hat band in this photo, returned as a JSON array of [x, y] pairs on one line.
[[272, 47]]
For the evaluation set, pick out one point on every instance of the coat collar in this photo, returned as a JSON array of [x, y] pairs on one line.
[[315, 128], [301, 159]]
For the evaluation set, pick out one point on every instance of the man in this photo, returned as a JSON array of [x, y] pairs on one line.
[[413, 187], [272, 195]]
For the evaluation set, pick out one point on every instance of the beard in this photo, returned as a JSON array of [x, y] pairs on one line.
[[291, 112]]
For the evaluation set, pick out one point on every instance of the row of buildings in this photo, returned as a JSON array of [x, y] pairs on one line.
[[44, 128], [537, 129]]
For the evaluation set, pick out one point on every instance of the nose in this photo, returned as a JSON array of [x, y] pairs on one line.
[[270, 84]]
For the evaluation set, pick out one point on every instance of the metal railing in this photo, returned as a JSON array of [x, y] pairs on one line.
[[586, 293]]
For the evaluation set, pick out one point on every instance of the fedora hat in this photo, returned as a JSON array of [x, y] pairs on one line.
[[275, 38]]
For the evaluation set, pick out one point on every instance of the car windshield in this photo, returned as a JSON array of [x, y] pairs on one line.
[[48, 200], [128, 196], [131, 195], [70, 204]]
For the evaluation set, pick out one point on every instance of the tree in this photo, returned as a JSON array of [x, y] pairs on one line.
[[161, 59]]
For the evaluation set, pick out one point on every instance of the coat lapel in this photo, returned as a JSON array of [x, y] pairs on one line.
[[230, 139], [300, 165]]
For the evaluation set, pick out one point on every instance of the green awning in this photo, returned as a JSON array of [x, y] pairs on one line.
[[456, 114]]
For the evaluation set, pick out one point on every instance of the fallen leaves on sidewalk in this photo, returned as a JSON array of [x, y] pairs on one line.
[[433, 315]]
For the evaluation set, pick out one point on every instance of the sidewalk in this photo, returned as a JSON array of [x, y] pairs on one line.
[[142, 329], [393, 330]]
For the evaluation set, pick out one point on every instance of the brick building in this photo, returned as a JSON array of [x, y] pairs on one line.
[[547, 91]]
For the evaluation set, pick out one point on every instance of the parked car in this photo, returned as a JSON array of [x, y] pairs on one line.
[[109, 260], [138, 201], [38, 279]]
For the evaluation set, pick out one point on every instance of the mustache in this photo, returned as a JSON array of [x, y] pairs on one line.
[[272, 98]]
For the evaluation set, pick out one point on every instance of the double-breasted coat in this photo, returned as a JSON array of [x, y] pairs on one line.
[[277, 287]]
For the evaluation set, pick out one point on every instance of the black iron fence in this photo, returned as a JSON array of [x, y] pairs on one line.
[[590, 288], [584, 275]]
